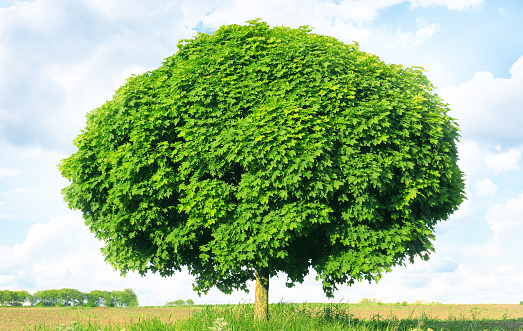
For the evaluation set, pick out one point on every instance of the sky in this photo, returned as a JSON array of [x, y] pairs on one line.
[[59, 59]]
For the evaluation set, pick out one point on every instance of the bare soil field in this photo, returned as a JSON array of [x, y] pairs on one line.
[[21, 318], [439, 311]]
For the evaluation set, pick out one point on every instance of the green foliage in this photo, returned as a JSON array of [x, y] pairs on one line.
[[179, 302], [125, 298], [267, 147], [369, 300], [14, 298], [46, 297], [70, 297]]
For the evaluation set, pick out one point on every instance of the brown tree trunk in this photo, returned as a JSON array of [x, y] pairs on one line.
[[261, 297]]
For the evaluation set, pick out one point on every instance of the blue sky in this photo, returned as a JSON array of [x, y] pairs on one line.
[[59, 59]]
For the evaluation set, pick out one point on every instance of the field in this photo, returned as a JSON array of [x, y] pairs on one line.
[[285, 316]]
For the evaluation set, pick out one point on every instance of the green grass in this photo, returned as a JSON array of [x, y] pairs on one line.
[[289, 316]]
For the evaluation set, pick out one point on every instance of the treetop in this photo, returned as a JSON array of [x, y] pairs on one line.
[[259, 147]]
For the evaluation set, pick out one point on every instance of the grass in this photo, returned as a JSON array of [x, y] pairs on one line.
[[335, 317], [370, 316]]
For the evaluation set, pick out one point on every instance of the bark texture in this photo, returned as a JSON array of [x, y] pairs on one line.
[[261, 298]]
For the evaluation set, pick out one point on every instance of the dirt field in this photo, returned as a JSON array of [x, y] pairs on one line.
[[13, 318], [440, 311]]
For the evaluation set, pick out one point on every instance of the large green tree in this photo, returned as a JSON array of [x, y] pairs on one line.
[[258, 150]]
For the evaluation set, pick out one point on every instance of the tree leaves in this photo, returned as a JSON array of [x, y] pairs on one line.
[[259, 146]]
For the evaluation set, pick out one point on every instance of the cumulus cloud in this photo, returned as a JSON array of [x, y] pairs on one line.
[[344, 20], [410, 39], [450, 4], [506, 222], [61, 59], [483, 251], [471, 157], [489, 110], [485, 188], [23, 190], [63, 253], [8, 172], [503, 161]]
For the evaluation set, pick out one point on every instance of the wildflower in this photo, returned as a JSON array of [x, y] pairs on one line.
[[219, 325]]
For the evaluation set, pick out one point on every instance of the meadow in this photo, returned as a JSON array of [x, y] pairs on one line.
[[284, 316]]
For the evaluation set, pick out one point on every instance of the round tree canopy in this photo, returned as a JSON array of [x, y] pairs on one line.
[[257, 147]]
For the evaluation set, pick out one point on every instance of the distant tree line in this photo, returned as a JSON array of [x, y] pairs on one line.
[[180, 302], [70, 297]]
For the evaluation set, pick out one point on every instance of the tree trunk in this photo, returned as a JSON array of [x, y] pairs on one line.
[[261, 297]]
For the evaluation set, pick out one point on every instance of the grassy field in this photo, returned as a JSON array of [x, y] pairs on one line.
[[284, 316]]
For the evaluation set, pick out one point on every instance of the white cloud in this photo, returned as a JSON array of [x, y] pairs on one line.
[[23, 190], [489, 110], [483, 251], [506, 161], [485, 188], [342, 20], [63, 253], [507, 269], [59, 60], [408, 40], [7, 172], [451, 4], [506, 223], [503, 11], [471, 157]]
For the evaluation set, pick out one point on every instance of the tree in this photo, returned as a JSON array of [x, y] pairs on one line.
[[70, 297], [125, 298], [258, 150], [46, 297], [97, 298], [14, 298]]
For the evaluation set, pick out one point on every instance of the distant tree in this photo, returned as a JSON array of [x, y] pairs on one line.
[[23, 297], [47, 297], [97, 298], [190, 302], [254, 151], [179, 302], [14, 298], [125, 298], [71, 297], [4, 297]]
